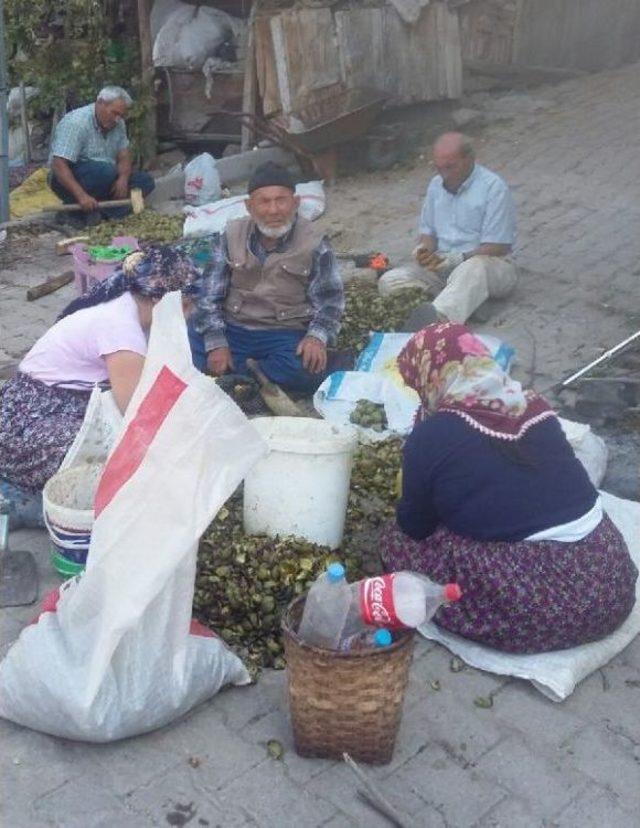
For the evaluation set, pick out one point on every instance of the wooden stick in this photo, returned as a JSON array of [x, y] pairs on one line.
[[274, 397], [50, 285], [375, 798], [72, 208], [62, 246], [618, 378]]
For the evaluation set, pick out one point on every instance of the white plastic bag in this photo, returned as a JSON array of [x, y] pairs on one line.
[[313, 200], [401, 278], [191, 34], [201, 180], [590, 449], [377, 379], [556, 674], [337, 396], [98, 433], [116, 657], [213, 218]]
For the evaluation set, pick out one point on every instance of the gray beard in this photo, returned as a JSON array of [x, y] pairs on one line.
[[275, 232]]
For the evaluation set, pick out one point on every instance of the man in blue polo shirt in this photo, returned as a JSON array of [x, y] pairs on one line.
[[467, 232], [90, 160]]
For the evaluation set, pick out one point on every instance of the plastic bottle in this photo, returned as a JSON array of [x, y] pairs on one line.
[[367, 640], [396, 601], [326, 609]]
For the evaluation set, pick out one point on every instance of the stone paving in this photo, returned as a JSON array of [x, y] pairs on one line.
[[523, 762]]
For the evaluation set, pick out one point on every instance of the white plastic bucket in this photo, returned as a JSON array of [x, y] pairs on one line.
[[301, 487], [67, 501]]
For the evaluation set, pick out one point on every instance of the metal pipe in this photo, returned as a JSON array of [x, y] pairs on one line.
[[607, 355], [4, 124]]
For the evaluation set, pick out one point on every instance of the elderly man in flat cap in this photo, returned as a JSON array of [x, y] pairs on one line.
[[272, 292]]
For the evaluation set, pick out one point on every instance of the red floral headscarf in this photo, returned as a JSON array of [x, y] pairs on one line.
[[453, 371]]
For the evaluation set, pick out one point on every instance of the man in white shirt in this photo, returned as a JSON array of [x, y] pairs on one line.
[[467, 231]]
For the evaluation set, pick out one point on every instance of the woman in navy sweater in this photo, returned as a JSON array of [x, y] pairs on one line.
[[494, 498]]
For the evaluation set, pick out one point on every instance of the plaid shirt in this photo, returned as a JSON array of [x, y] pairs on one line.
[[79, 137], [325, 290]]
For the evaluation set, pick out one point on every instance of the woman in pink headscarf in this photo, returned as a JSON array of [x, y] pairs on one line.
[[494, 498]]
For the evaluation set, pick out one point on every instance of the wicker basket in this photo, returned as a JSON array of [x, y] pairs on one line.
[[345, 701]]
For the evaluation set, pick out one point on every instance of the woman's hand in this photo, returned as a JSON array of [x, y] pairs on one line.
[[124, 369]]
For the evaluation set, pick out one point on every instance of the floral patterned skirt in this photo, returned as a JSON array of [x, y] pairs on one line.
[[38, 423], [526, 596]]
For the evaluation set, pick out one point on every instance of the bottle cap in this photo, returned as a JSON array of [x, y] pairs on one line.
[[335, 572], [382, 638], [452, 592]]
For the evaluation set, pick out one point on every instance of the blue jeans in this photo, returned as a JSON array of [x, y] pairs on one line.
[[97, 178], [274, 351], [25, 508]]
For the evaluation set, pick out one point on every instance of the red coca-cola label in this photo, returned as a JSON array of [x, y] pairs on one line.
[[376, 603]]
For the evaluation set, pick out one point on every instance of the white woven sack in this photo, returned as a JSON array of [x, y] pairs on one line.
[[118, 656], [213, 218]]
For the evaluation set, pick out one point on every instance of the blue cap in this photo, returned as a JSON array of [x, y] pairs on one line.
[[382, 638], [335, 573]]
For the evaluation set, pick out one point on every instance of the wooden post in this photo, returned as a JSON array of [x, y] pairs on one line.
[[25, 123], [282, 69], [250, 91], [148, 148], [4, 124]]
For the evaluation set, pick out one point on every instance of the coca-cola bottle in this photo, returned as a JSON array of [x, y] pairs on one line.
[[396, 601]]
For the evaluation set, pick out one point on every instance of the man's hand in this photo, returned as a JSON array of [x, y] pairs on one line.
[[88, 203], [448, 262], [120, 188], [426, 258], [313, 353], [219, 361]]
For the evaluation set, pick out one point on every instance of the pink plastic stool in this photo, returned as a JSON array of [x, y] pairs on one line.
[[88, 273]]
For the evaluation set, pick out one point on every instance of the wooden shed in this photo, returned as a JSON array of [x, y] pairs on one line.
[[299, 54], [301, 51]]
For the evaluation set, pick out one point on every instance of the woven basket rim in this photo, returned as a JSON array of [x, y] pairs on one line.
[[403, 639]]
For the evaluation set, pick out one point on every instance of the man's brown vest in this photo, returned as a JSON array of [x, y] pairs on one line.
[[273, 295]]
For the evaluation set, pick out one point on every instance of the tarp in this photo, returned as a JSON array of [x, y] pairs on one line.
[[32, 196]]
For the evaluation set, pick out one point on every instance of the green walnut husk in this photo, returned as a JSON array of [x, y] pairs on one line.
[[369, 415], [367, 311], [245, 582], [145, 226]]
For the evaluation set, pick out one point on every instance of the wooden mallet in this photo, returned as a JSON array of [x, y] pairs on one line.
[[135, 200]]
